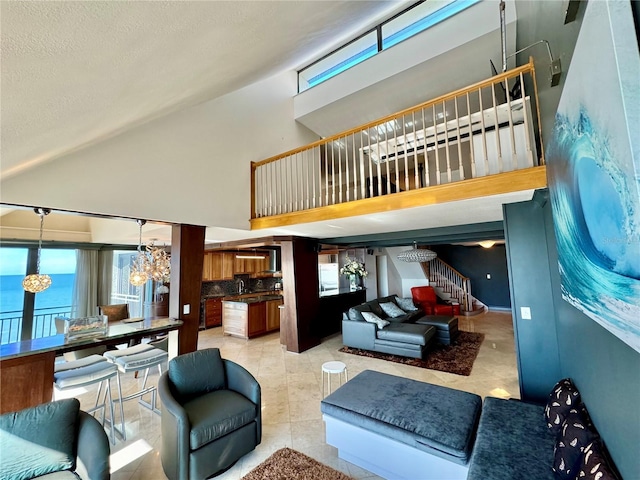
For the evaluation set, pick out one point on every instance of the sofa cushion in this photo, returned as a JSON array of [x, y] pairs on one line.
[[406, 304], [407, 333], [562, 398], [355, 313], [373, 318], [513, 441], [200, 372], [374, 305], [39, 440], [574, 436], [215, 414], [392, 310], [594, 464]]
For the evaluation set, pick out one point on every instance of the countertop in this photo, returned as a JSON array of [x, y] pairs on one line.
[[117, 333], [252, 298], [255, 293]]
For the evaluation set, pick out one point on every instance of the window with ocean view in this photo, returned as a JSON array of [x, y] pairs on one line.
[[60, 264]]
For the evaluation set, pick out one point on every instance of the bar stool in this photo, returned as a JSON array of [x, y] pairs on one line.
[[88, 371], [132, 359], [330, 368]]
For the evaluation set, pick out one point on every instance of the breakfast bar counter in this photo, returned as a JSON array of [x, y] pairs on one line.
[[27, 367]]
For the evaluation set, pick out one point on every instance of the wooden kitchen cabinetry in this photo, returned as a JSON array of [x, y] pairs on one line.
[[212, 312], [273, 314], [218, 266], [250, 319]]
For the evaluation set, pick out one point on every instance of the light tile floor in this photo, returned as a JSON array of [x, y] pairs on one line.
[[291, 393]]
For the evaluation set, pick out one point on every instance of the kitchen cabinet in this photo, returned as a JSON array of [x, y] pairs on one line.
[[251, 317], [213, 312], [207, 272], [273, 314], [256, 319]]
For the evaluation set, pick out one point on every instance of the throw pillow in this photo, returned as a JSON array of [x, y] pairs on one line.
[[39, 440], [574, 436], [562, 398], [392, 310], [196, 373], [406, 304], [373, 318], [594, 464]]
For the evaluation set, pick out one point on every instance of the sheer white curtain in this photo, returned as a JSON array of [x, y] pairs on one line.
[[93, 281]]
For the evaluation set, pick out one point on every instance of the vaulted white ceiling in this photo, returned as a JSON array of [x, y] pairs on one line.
[[76, 73]]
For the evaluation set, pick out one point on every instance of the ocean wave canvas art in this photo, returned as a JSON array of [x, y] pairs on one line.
[[594, 172]]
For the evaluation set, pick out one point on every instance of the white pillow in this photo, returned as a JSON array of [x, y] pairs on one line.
[[406, 304], [392, 310], [373, 318]]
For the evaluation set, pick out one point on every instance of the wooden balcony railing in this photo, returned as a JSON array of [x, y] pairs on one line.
[[484, 129]]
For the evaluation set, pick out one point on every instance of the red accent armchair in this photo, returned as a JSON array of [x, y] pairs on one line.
[[425, 297]]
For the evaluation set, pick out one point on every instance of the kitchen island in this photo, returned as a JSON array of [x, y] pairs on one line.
[[250, 316]]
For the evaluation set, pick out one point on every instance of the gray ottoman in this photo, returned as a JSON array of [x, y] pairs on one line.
[[401, 428], [446, 327]]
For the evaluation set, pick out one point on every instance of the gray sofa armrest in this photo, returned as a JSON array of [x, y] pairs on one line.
[[241, 381], [175, 428], [93, 449], [358, 334]]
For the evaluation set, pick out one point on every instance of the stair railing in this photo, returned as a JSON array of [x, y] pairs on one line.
[[443, 275], [487, 128]]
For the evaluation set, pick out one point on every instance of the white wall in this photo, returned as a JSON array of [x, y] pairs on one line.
[[409, 274], [192, 166]]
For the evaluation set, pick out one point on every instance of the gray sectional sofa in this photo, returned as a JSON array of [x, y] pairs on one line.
[[406, 429], [408, 335]]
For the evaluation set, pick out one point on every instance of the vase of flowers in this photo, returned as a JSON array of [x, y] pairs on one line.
[[355, 271]]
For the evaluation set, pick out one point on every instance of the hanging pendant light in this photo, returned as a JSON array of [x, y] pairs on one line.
[[160, 263], [140, 266], [36, 283], [417, 254]]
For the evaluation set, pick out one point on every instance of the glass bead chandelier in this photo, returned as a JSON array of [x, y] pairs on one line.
[[152, 263], [417, 254], [138, 275], [36, 282]]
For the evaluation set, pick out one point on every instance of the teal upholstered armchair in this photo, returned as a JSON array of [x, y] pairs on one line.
[[54, 440], [211, 415]]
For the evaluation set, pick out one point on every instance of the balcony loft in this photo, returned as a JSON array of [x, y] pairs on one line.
[[480, 141]]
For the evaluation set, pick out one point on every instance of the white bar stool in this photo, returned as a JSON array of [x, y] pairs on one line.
[[330, 368], [138, 357], [88, 371]]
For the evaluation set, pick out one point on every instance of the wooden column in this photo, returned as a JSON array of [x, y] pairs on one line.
[[300, 290], [187, 256]]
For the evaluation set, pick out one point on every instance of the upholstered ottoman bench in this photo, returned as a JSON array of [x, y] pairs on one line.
[[401, 428], [446, 327]]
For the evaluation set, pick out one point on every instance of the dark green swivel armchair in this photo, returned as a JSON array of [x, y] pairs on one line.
[[211, 415]]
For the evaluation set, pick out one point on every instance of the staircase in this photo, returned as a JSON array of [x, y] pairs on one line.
[[451, 285]]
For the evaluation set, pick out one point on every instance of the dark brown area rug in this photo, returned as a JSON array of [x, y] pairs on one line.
[[288, 464], [457, 358]]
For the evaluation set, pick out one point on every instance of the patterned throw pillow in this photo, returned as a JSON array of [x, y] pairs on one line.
[[594, 464], [373, 318], [562, 398], [406, 304], [571, 442], [392, 310]]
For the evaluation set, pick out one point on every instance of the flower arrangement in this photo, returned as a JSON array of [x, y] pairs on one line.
[[353, 267]]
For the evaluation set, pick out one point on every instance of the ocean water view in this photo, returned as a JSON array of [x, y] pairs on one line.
[[55, 300], [59, 294]]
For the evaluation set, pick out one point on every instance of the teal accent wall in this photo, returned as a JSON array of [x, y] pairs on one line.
[[560, 341]]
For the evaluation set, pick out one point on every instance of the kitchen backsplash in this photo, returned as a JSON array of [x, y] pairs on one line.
[[230, 287]]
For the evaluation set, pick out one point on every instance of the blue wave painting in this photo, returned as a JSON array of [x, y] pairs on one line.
[[594, 185]]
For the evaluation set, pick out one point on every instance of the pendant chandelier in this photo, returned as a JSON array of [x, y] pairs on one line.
[[417, 254], [36, 283], [152, 263]]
